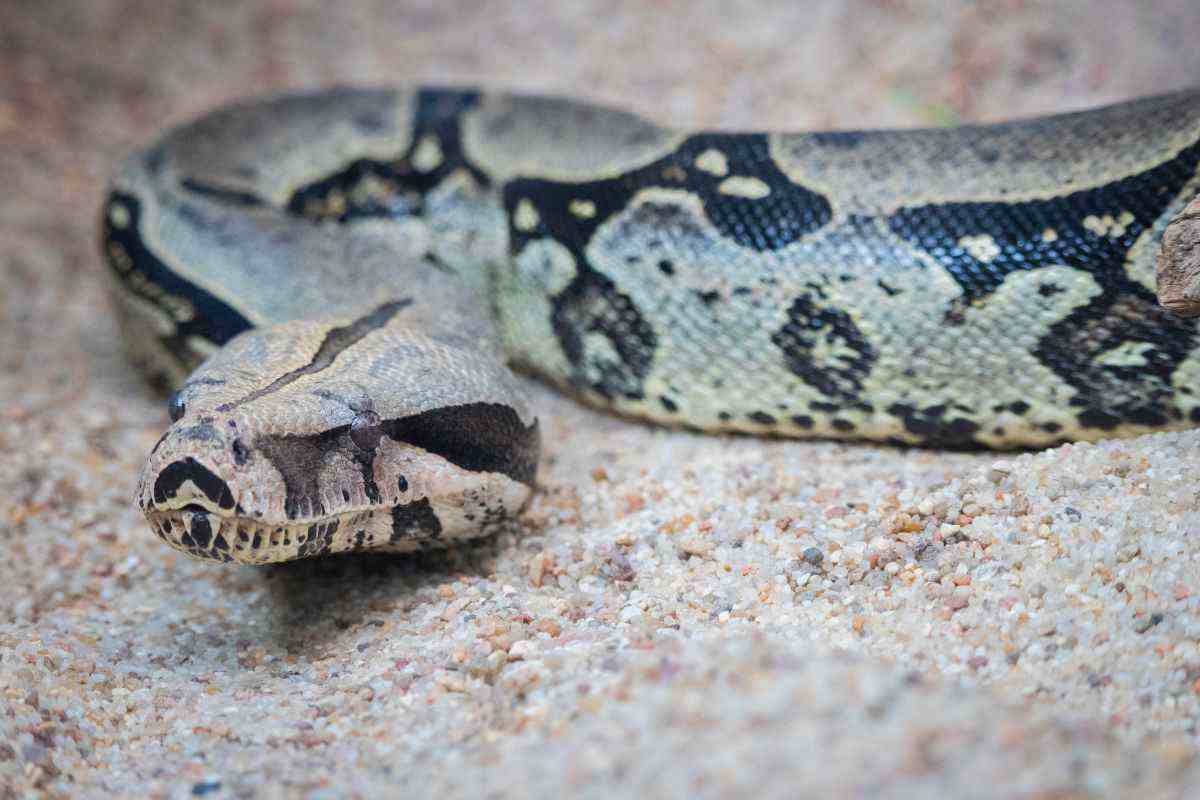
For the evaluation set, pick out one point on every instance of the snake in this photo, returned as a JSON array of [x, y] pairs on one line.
[[340, 287]]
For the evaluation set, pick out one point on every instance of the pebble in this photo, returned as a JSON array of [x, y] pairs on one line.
[[1000, 470]]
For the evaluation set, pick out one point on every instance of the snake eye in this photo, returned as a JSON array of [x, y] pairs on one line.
[[176, 407], [365, 431]]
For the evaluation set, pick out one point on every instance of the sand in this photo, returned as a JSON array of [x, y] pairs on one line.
[[675, 615]]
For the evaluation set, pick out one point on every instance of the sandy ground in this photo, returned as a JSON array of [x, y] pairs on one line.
[[678, 615]]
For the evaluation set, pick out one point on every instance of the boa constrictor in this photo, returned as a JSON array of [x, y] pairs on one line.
[[336, 281]]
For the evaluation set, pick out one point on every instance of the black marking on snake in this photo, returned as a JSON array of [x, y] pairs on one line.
[[761, 417], [175, 474], [935, 427], [812, 328], [241, 453], [415, 520], [1109, 393], [438, 114], [366, 467], [786, 213], [213, 319], [591, 306], [1017, 228], [481, 437], [318, 539], [336, 341], [201, 529]]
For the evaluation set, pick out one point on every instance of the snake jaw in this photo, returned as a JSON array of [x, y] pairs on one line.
[[219, 487]]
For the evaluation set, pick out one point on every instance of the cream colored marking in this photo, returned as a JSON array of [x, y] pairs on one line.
[[370, 188], [526, 217], [584, 209], [202, 346], [741, 186], [714, 162], [118, 215], [1049, 235], [1107, 226], [180, 307], [981, 247], [335, 203], [674, 173], [120, 257], [156, 321], [1126, 354], [428, 155]]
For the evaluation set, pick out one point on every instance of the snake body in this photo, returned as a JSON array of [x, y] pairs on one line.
[[337, 281]]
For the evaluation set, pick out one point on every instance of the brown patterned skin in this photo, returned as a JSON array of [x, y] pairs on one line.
[[358, 266]]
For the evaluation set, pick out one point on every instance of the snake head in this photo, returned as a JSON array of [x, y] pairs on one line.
[[297, 462]]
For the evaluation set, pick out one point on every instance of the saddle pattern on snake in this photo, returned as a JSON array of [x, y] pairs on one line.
[[975, 286]]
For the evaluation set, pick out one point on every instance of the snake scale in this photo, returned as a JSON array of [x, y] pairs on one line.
[[338, 282]]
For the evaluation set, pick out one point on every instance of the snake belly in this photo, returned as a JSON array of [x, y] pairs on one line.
[[337, 283]]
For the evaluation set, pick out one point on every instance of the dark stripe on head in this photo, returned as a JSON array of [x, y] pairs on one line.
[[336, 341], [415, 521], [166, 486], [481, 437], [299, 460]]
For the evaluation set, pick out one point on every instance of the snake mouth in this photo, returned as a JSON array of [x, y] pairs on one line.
[[209, 536], [192, 529]]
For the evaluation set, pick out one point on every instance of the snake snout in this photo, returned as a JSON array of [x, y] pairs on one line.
[[192, 465], [186, 492]]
